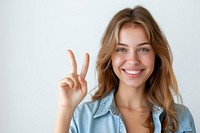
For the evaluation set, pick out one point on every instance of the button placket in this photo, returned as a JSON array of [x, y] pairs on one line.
[[122, 128]]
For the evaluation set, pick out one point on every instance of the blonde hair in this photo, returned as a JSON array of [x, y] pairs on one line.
[[161, 85]]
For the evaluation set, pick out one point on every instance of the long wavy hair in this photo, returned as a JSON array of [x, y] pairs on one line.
[[161, 85]]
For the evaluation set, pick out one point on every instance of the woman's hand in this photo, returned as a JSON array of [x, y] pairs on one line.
[[73, 88]]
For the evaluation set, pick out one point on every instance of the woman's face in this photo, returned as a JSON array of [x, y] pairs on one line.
[[133, 59]]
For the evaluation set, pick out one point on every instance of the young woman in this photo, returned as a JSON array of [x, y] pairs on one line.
[[136, 83]]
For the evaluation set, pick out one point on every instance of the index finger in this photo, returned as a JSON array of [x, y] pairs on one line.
[[85, 66], [72, 62]]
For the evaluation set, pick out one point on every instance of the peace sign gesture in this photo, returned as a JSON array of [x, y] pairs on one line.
[[73, 88]]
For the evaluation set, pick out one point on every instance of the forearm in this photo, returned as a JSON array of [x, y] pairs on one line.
[[64, 116]]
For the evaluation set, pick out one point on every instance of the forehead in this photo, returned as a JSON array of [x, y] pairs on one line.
[[132, 34]]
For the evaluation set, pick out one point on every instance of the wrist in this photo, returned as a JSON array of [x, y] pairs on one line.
[[66, 108], [65, 112]]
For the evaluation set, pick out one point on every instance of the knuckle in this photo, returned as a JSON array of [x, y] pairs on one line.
[[77, 85], [73, 75]]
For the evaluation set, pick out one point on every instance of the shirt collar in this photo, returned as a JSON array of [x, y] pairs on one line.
[[108, 104]]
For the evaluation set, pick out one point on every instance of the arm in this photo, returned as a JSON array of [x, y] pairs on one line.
[[64, 116], [72, 90]]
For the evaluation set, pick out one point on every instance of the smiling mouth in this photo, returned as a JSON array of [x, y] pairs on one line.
[[133, 73]]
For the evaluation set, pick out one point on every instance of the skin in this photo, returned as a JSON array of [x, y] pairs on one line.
[[133, 63], [72, 89], [133, 59]]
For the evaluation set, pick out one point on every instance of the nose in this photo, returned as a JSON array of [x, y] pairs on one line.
[[133, 58]]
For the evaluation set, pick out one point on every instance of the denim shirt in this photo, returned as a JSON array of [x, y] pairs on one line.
[[102, 116]]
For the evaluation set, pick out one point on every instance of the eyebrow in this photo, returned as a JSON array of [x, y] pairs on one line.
[[140, 44]]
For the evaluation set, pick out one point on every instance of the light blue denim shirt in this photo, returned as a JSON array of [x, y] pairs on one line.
[[102, 116]]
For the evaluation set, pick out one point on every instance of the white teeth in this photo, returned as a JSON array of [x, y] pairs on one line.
[[132, 72]]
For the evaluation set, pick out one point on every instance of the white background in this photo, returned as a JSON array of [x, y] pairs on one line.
[[34, 38]]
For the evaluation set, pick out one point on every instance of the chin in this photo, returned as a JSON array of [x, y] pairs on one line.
[[134, 85]]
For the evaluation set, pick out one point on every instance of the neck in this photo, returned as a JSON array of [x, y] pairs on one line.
[[131, 98]]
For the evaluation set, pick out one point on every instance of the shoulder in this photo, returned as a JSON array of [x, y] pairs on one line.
[[87, 108], [96, 108], [185, 118], [84, 113], [182, 110]]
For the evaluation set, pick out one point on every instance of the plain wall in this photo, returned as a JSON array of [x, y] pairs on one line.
[[34, 38]]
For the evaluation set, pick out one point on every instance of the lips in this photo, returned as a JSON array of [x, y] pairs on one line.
[[133, 73]]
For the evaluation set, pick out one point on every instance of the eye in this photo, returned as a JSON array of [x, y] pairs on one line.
[[121, 50], [143, 50]]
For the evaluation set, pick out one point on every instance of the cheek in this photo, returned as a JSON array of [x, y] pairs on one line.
[[116, 60], [149, 61]]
